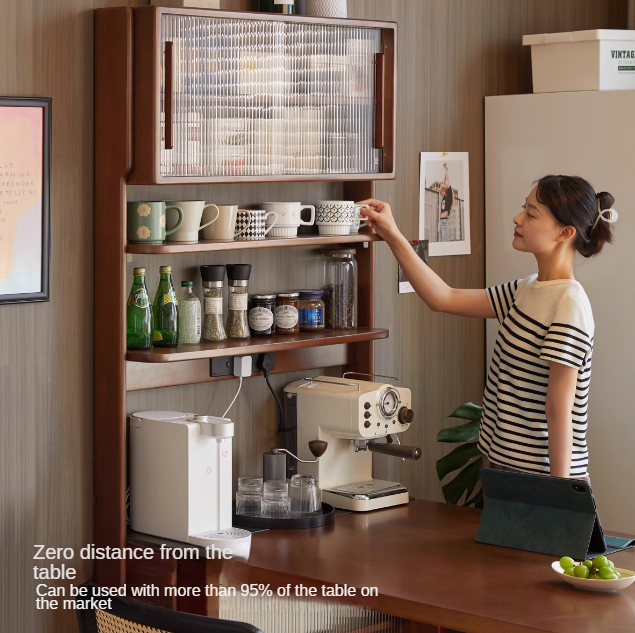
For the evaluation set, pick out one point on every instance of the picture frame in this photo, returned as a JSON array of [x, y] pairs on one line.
[[445, 177], [25, 180]]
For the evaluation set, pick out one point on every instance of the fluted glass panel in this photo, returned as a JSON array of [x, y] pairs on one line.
[[256, 97]]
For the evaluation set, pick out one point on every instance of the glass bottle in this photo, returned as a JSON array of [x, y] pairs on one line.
[[138, 313], [238, 300], [213, 277], [165, 330], [340, 288], [189, 315], [277, 6]]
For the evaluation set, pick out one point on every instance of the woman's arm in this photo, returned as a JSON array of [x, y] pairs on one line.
[[560, 399], [427, 284]]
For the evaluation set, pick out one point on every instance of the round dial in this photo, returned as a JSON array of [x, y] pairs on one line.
[[389, 403]]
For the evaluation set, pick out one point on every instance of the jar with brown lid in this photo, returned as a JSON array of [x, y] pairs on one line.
[[261, 311], [287, 313], [311, 310]]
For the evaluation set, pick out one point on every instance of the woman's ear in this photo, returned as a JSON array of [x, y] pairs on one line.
[[566, 233]]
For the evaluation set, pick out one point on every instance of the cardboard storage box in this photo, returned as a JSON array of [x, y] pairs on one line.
[[582, 60]]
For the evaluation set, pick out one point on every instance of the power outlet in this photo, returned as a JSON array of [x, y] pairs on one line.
[[224, 366]]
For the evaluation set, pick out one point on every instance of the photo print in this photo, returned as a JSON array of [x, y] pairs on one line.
[[444, 207]]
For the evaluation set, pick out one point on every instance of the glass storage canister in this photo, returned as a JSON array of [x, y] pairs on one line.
[[189, 315], [238, 283], [340, 288], [261, 310], [275, 499], [311, 310], [287, 313], [249, 496], [213, 277]]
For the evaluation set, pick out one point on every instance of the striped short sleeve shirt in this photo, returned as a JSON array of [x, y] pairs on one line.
[[540, 322]]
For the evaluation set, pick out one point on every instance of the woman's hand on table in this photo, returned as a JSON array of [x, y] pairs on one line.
[[380, 218]]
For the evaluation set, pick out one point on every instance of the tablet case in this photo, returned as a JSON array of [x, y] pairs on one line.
[[548, 515]]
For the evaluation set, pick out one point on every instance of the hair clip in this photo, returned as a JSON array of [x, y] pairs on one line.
[[611, 218]]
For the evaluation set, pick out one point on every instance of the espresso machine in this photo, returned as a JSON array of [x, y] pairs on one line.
[[355, 418], [181, 479]]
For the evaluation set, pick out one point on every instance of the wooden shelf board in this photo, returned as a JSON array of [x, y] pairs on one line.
[[233, 347], [238, 245]]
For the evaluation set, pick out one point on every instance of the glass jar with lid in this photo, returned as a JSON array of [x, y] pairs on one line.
[[213, 278], [237, 305], [311, 310], [261, 311], [287, 313], [340, 288], [189, 315]]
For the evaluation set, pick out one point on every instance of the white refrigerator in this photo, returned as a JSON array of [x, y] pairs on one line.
[[592, 135]]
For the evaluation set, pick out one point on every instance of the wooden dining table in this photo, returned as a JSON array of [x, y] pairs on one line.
[[427, 568]]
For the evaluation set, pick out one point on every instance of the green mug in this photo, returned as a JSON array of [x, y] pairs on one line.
[[146, 222]]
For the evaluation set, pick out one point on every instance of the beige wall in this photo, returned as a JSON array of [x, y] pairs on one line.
[[452, 53]]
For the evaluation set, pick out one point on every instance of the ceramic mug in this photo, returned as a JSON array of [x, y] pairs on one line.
[[336, 217], [146, 221], [225, 226], [289, 217], [252, 223], [357, 218], [193, 213]]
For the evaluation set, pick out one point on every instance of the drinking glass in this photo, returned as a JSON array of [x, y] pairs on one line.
[[275, 499], [249, 496], [305, 496]]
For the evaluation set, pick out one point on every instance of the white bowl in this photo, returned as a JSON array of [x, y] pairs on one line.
[[627, 578]]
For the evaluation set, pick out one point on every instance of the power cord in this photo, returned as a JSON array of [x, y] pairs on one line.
[[265, 373], [266, 363], [242, 369], [240, 384]]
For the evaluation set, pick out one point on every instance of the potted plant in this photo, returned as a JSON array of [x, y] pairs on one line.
[[466, 458]]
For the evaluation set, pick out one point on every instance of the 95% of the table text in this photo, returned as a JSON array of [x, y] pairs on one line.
[[327, 591]]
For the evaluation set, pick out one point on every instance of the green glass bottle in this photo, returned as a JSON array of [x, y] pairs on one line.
[[165, 324], [277, 6], [139, 313]]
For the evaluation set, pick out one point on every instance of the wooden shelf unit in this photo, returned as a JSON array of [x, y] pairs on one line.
[[126, 101], [206, 246], [232, 347]]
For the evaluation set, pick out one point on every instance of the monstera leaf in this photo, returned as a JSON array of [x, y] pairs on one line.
[[466, 458]]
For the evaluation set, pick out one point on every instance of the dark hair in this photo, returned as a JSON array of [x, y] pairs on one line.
[[573, 202]]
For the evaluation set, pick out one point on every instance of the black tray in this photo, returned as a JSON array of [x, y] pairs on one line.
[[327, 516]]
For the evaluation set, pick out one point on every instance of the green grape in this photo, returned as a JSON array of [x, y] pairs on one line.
[[581, 571], [566, 562], [606, 573], [617, 573], [600, 561], [568, 571], [588, 563], [611, 564]]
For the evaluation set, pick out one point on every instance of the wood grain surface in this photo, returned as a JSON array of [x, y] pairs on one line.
[[426, 566], [451, 54]]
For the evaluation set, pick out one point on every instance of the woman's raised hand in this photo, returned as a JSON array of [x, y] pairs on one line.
[[380, 218]]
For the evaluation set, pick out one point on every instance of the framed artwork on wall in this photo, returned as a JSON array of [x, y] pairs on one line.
[[25, 176], [444, 202]]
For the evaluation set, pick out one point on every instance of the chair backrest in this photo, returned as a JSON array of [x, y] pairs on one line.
[[129, 616]]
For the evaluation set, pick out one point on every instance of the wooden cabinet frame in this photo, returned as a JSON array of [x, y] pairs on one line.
[[125, 120]]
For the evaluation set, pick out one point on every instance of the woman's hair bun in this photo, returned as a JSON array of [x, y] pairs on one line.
[[603, 232]]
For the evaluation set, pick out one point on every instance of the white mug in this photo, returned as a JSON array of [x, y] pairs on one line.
[[192, 214], [251, 223], [225, 226], [336, 217], [289, 217]]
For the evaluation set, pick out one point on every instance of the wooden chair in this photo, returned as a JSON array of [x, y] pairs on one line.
[[129, 616]]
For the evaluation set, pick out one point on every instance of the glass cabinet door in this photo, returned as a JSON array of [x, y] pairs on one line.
[[252, 97]]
